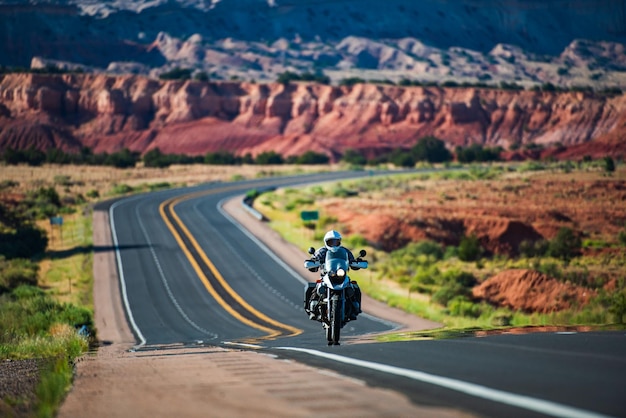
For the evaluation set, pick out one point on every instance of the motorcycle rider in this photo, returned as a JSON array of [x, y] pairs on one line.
[[332, 242]]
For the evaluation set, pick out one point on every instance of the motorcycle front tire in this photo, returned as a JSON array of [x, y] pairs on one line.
[[335, 322]]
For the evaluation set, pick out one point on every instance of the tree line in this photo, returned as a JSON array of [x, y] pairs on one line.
[[427, 149], [153, 158]]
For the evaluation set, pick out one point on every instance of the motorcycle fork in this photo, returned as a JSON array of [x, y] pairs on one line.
[[342, 296]]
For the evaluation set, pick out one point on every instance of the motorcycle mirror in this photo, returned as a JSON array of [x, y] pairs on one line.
[[362, 253], [311, 250]]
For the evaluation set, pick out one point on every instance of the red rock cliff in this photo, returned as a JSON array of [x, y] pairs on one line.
[[193, 117]]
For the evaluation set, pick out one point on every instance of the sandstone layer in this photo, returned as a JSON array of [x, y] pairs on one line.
[[108, 113]]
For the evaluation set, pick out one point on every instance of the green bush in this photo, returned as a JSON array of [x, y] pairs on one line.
[[28, 312], [566, 245], [352, 156], [269, 157], [16, 272], [310, 157], [419, 257], [355, 241], [461, 306], [470, 248], [220, 158], [431, 149], [501, 319], [122, 189], [551, 269], [340, 191], [177, 74], [448, 292], [537, 248], [453, 283], [618, 307]]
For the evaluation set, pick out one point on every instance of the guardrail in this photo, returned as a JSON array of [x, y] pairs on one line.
[[248, 200]]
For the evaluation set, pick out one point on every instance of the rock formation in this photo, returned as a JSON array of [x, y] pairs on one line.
[[108, 113]]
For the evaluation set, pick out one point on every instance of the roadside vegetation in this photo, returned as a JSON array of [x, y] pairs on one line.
[[435, 279], [38, 318], [46, 261], [46, 307]]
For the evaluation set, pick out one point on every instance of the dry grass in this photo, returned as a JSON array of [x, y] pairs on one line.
[[74, 180]]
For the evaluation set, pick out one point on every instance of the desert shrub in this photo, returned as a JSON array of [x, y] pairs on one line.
[[298, 201], [609, 164], [8, 184], [454, 283], [476, 152], [470, 248], [47, 195], [448, 292], [531, 166], [201, 76], [618, 307], [352, 156], [310, 157], [93, 194], [220, 158], [351, 81], [551, 269], [16, 272], [533, 248], [269, 157], [62, 180], [177, 74], [566, 245], [122, 159], [451, 251], [30, 156], [431, 149], [461, 306], [122, 189], [325, 221], [424, 279], [423, 252], [501, 319], [27, 311], [340, 191], [355, 241]]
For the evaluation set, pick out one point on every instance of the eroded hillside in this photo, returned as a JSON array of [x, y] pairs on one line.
[[109, 113]]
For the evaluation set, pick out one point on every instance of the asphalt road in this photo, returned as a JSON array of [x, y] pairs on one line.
[[190, 275]]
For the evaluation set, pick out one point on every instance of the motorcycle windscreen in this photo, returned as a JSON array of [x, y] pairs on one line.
[[335, 261]]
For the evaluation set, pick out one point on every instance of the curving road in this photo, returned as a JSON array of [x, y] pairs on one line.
[[189, 274]]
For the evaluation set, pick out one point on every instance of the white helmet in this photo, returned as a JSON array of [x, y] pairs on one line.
[[332, 240]]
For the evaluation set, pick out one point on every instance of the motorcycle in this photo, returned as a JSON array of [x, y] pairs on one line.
[[333, 299]]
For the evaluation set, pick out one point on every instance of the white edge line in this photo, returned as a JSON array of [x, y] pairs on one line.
[[520, 401], [255, 346], [288, 268], [122, 279]]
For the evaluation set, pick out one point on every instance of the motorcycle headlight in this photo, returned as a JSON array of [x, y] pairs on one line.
[[341, 273]]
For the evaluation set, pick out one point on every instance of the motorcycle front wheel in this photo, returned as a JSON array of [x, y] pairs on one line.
[[335, 322]]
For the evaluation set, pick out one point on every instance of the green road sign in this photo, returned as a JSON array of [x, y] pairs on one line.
[[309, 215]]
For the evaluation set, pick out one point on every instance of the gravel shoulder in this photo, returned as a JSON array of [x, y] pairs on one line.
[[115, 381]]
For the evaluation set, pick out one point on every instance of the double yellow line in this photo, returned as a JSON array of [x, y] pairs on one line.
[[217, 286]]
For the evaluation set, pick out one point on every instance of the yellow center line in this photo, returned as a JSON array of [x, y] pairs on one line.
[[170, 204]]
